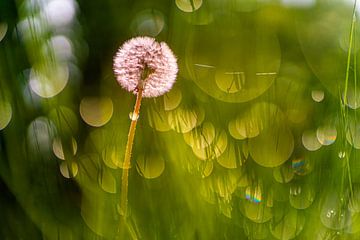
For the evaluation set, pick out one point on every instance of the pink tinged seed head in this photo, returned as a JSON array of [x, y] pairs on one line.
[[142, 62]]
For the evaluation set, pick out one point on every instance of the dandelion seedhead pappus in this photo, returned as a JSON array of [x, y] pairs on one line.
[[142, 62], [148, 69]]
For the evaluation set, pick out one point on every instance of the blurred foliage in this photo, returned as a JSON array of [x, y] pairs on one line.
[[258, 139]]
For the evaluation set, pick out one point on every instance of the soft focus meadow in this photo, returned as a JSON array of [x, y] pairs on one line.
[[258, 138]]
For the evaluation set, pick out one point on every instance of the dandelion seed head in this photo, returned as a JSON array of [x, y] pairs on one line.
[[142, 62]]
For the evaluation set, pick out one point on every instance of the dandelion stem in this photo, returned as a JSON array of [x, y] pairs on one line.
[[128, 150]]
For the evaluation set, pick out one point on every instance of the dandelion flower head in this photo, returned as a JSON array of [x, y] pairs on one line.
[[144, 63]]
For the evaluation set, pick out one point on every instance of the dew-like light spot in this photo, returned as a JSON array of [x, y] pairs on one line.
[[188, 5], [354, 227], [326, 134], [354, 201], [317, 95], [150, 166], [215, 150], [353, 133], [341, 154], [199, 168], [233, 130], [172, 99], [183, 120], [310, 141], [133, 116], [59, 150], [273, 146], [157, 118], [62, 47], [3, 30], [207, 168], [254, 193], [248, 126], [5, 114], [113, 156], [302, 166], [64, 169], [283, 173], [225, 184], [107, 181], [353, 97], [149, 22], [301, 196], [251, 122], [230, 81], [324, 31], [256, 212], [31, 100], [200, 137], [297, 163], [60, 12], [324, 233], [344, 35], [333, 215], [95, 111], [223, 74], [40, 134], [231, 158], [48, 82], [32, 26]]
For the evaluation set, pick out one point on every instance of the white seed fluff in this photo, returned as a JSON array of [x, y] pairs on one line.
[[142, 62]]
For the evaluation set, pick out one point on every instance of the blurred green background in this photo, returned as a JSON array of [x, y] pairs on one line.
[[258, 139]]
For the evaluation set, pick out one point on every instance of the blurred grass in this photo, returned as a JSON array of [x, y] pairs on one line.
[[253, 64]]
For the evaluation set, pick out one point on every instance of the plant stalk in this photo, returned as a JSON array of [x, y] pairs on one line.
[[128, 151]]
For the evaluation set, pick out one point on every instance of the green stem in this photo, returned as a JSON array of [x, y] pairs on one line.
[[343, 107], [353, 21]]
